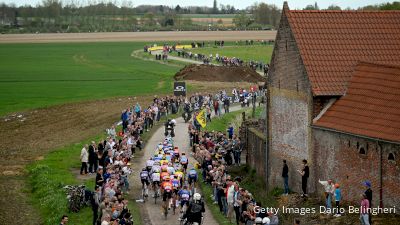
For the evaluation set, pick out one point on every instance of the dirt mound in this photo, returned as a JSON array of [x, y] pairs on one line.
[[218, 73]]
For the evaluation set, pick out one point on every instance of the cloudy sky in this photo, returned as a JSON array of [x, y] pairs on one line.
[[293, 4]]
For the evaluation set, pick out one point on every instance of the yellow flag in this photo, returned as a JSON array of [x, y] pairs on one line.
[[201, 118]]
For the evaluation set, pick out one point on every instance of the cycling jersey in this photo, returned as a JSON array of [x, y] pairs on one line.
[[184, 195], [171, 170], [150, 163], [163, 161], [168, 157], [184, 160], [164, 175], [193, 174], [164, 167], [158, 158], [167, 186], [144, 175], [175, 183], [155, 168], [179, 174], [155, 177]]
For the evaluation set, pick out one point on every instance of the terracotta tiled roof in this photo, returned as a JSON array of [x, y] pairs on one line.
[[371, 105], [332, 42]]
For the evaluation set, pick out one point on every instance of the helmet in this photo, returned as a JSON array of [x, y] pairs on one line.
[[266, 221], [164, 169], [197, 197], [258, 220], [155, 154], [167, 179], [156, 170]]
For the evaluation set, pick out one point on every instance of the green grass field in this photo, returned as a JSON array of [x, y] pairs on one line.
[[39, 75], [255, 52]]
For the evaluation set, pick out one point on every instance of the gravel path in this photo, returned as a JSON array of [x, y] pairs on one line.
[[191, 60]]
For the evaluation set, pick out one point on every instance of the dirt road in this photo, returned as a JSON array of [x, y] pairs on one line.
[[139, 36]]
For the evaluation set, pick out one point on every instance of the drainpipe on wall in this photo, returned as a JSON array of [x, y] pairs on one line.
[[380, 175]]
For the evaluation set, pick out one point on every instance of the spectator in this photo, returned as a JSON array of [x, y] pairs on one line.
[[329, 188], [92, 158], [338, 198], [364, 216], [99, 177], [230, 131], [305, 173], [64, 220], [84, 160], [368, 193], [273, 219], [285, 175]]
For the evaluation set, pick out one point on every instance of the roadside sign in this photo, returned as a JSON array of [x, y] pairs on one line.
[[179, 88]]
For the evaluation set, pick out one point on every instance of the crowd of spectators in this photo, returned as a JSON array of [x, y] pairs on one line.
[[214, 151], [110, 159]]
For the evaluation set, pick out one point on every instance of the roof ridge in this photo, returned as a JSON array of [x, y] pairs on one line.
[[343, 11]]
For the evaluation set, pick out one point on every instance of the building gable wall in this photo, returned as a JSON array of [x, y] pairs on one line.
[[289, 109]]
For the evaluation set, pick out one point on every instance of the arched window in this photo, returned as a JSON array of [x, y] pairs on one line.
[[391, 157], [362, 151]]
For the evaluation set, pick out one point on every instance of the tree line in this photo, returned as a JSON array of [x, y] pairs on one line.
[[106, 16]]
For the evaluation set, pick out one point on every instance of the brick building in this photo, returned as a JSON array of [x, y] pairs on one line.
[[358, 137], [315, 56]]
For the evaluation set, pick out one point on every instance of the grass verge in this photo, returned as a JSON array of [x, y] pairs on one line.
[[47, 178]]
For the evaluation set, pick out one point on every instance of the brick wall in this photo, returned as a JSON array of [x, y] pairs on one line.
[[338, 157], [255, 146], [289, 109]]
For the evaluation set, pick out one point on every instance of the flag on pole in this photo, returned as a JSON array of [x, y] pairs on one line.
[[201, 118]]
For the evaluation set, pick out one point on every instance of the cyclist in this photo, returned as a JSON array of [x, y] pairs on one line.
[[179, 175], [170, 169], [176, 153], [144, 177], [156, 166], [149, 164], [184, 196], [164, 174], [166, 190], [155, 178], [175, 186], [195, 210], [192, 175], [184, 161], [163, 160]]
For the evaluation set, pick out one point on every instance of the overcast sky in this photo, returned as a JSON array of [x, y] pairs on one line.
[[293, 4]]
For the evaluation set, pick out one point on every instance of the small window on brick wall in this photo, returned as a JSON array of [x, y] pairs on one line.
[[362, 151], [391, 157]]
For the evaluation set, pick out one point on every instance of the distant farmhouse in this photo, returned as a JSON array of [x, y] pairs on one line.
[[334, 99]]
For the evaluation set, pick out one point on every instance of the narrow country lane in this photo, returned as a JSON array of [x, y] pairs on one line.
[[154, 214]]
